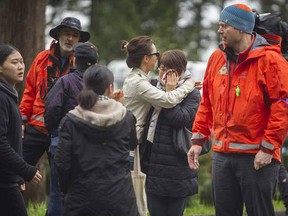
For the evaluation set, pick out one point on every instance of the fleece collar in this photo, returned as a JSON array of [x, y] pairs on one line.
[[103, 114]]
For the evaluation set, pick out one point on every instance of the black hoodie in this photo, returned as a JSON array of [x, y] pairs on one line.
[[12, 166]]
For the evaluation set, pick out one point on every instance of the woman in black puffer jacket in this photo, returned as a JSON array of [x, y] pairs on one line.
[[169, 178]]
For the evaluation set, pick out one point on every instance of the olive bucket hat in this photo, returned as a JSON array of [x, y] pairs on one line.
[[73, 23]]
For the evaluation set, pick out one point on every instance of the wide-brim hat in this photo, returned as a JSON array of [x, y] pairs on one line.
[[73, 23]]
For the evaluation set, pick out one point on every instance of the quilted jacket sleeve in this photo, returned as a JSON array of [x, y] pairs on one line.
[[184, 113]]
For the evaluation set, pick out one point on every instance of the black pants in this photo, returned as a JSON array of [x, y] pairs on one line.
[[35, 144], [12, 202], [236, 182], [165, 206]]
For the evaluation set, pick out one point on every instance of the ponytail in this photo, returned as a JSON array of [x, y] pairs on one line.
[[87, 98], [97, 79]]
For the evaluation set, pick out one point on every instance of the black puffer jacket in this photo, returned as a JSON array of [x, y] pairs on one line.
[[92, 160], [168, 173], [12, 166]]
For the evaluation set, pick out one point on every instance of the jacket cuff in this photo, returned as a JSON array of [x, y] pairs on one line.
[[31, 171], [198, 139], [267, 147], [24, 119], [266, 150]]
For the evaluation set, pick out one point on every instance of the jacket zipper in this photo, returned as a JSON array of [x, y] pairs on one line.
[[225, 144]]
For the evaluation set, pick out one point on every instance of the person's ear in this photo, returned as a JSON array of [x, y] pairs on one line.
[[111, 88], [109, 91], [146, 58]]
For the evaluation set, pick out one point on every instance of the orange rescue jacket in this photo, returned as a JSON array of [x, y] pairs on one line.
[[44, 71], [245, 105]]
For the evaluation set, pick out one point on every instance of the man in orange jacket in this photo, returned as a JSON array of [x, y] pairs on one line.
[[244, 107], [46, 68]]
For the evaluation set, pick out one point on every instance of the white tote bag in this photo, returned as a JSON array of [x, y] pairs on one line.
[[138, 179]]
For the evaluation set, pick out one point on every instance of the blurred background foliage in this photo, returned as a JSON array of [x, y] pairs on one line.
[[189, 25]]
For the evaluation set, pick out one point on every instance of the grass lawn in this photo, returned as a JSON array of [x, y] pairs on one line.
[[203, 210], [39, 209]]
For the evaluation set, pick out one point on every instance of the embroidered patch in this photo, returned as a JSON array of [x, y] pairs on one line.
[[223, 71]]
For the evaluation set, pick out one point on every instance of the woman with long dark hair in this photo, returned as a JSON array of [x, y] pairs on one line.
[[13, 169]]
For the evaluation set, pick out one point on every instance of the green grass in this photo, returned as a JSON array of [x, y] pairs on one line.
[[39, 209], [200, 209]]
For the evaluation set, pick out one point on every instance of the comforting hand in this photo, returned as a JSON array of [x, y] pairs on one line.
[[262, 159], [198, 85], [37, 177], [118, 95], [193, 156]]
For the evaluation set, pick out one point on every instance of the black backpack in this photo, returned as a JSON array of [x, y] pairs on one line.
[[271, 23]]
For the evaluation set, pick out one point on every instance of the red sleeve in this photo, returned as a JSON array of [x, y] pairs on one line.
[[276, 85], [29, 94]]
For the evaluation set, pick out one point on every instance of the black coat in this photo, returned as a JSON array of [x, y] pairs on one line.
[[12, 167], [93, 167], [168, 173]]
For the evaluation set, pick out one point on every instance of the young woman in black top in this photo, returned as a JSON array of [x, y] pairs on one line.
[[13, 169]]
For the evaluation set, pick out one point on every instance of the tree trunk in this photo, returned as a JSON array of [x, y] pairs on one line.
[[22, 25]]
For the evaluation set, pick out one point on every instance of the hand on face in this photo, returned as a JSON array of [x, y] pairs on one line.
[[171, 80]]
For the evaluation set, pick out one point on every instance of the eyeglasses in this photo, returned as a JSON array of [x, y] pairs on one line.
[[163, 69], [157, 53]]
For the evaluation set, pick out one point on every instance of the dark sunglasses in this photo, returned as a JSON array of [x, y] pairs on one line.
[[157, 53]]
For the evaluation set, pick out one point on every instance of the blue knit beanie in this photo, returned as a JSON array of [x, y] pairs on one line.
[[240, 16]]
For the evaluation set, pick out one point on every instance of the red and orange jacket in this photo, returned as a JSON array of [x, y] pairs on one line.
[[244, 102], [44, 71]]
